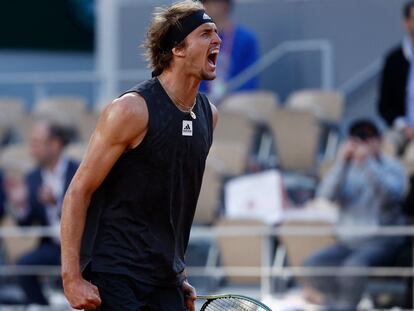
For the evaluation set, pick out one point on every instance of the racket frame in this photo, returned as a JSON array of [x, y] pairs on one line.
[[223, 296]]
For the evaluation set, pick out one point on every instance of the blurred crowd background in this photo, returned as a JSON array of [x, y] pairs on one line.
[[308, 193]]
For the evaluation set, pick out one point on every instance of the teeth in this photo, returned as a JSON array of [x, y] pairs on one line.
[[212, 56]]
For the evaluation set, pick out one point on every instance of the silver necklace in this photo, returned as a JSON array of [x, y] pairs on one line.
[[179, 104], [186, 109]]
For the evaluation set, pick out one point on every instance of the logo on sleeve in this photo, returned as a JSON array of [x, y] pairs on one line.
[[187, 128]]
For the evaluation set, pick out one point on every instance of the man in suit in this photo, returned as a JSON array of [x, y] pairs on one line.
[[41, 200], [396, 100]]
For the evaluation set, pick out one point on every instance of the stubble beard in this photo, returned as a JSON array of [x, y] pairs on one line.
[[206, 76]]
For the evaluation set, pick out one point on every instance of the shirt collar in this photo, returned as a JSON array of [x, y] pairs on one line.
[[59, 169]]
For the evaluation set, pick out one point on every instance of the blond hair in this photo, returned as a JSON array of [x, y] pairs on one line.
[[163, 20]]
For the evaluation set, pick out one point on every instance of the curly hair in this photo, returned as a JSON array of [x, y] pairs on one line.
[[163, 20]]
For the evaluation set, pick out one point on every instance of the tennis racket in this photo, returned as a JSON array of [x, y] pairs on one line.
[[231, 302]]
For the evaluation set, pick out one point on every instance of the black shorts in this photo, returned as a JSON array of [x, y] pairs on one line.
[[122, 293]]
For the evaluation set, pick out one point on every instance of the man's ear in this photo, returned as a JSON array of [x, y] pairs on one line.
[[179, 51]]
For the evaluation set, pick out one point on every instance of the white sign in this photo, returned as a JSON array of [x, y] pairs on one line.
[[258, 196]]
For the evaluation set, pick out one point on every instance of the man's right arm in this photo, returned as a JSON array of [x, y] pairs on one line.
[[122, 126]]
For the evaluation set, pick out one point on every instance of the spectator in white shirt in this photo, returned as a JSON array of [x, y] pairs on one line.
[[39, 200]]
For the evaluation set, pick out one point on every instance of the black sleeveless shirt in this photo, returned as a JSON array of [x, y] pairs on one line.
[[139, 219]]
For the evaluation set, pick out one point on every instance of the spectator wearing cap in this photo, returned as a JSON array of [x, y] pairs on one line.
[[239, 50], [39, 200], [369, 187]]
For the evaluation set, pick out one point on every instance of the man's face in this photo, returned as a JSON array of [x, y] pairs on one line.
[[409, 23], [201, 51], [42, 147], [375, 145]]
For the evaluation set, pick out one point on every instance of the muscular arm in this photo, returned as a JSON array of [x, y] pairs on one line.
[[122, 126]]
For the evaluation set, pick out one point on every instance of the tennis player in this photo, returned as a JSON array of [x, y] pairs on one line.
[[128, 211]]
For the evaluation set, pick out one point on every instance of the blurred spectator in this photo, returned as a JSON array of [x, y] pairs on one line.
[[2, 212], [396, 103], [369, 187], [2, 195], [239, 50], [39, 200]]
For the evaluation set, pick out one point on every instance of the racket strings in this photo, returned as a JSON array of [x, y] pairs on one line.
[[224, 305], [231, 304]]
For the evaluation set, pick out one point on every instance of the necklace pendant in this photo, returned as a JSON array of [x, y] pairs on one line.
[[193, 115]]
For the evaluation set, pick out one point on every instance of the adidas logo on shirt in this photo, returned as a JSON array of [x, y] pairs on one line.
[[187, 128]]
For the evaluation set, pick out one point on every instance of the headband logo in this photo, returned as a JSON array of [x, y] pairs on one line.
[[205, 16]]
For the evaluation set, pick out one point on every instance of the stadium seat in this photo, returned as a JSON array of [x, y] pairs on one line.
[[209, 199], [65, 104], [296, 135], [85, 124], [12, 115], [23, 129], [255, 105], [229, 159], [326, 105], [15, 160], [12, 109], [233, 138], [16, 246], [63, 109], [241, 251], [234, 127]]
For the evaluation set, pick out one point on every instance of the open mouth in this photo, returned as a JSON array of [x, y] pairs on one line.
[[212, 57]]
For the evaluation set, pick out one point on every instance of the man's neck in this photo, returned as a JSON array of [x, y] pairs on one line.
[[182, 87]]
